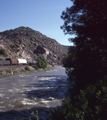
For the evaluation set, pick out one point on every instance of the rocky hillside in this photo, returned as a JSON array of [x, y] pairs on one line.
[[23, 42]]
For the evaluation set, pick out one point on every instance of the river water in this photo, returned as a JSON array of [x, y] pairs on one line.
[[24, 93]]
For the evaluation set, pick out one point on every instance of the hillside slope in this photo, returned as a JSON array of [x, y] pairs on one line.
[[23, 42]]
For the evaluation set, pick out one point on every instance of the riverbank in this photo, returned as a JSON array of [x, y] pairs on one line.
[[21, 94], [17, 69]]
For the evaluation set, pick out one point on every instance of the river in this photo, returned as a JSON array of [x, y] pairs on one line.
[[21, 94]]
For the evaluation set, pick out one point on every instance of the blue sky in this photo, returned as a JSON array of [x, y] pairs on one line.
[[40, 15]]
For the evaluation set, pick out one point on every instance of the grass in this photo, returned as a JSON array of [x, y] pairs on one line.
[[27, 69], [14, 72], [44, 69], [9, 72]]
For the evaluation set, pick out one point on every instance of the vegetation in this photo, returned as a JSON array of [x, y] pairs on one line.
[[27, 68], [2, 52], [45, 69], [6, 72], [14, 72], [42, 62], [35, 115], [87, 19], [89, 104]]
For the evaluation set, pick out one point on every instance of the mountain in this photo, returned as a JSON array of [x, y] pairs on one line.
[[24, 42]]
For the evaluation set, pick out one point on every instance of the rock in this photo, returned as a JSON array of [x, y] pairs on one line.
[[33, 43], [50, 98], [2, 46], [41, 50], [54, 56]]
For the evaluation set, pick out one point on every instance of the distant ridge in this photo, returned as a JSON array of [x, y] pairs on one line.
[[27, 43]]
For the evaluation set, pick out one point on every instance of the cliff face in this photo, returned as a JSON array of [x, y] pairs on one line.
[[23, 42]]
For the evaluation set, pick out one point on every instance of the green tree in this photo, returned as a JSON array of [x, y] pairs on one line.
[[42, 62], [87, 19], [89, 104]]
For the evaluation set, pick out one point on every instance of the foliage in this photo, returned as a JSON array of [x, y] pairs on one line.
[[48, 56], [2, 52], [87, 19], [34, 115], [14, 72], [8, 72], [5, 55], [27, 68], [89, 104], [42, 62]]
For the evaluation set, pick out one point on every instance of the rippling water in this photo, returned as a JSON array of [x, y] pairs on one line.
[[24, 93]]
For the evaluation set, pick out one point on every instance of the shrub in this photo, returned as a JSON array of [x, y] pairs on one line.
[[14, 72], [42, 62], [27, 69], [89, 104], [2, 52], [8, 71]]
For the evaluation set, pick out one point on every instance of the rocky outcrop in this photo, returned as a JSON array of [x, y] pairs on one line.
[[26, 43], [2, 46], [40, 50]]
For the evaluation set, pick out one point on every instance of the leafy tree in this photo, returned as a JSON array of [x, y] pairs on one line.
[[42, 62], [87, 19], [89, 104]]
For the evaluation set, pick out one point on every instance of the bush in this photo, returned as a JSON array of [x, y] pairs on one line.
[[14, 72], [27, 69], [89, 104], [42, 62], [2, 52]]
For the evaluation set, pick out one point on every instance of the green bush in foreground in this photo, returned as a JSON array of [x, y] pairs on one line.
[[42, 62], [89, 104]]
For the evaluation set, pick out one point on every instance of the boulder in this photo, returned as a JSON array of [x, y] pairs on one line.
[[41, 50]]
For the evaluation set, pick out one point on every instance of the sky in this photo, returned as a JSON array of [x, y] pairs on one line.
[[39, 15]]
